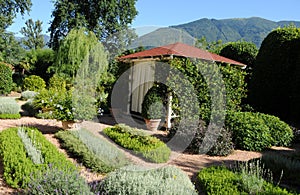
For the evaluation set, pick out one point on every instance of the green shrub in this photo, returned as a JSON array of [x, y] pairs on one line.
[[33, 83], [220, 180], [136, 180], [6, 81], [281, 133], [149, 147], [80, 151], [249, 131], [17, 165], [57, 83], [26, 95], [57, 181], [101, 148], [152, 105], [9, 108]]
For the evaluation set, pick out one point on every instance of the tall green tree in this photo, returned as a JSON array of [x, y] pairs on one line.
[[10, 49], [33, 34], [9, 10], [104, 18], [72, 51]]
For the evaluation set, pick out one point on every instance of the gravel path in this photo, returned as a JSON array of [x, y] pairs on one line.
[[187, 162]]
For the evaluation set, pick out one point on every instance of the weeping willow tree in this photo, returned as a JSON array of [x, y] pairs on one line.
[[74, 48], [82, 59]]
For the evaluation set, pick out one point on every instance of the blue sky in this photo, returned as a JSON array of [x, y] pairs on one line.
[[171, 12]]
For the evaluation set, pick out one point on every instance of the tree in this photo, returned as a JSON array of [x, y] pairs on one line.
[[72, 51], [104, 18], [241, 51], [213, 46], [244, 52], [33, 34], [9, 10], [10, 49], [276, 82]]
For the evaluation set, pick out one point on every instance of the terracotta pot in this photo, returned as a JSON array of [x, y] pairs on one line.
[[68, 124], [152, 124]]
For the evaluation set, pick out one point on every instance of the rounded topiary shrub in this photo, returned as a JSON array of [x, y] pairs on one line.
[[282, 134], [152, 105], [249, 131], [6, 81], [33, 83]]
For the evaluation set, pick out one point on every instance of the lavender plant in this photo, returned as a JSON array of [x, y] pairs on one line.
[[104, 150], [138, 180], [34, 153]]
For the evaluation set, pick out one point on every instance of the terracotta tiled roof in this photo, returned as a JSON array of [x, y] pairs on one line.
[[182, 50]]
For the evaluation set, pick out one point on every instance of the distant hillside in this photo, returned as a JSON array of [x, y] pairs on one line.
[[163, 36], [249, 29]]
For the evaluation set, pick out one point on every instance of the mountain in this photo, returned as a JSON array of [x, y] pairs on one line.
[[163, 36], [253, 29]]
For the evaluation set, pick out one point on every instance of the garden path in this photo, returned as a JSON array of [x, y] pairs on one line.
[[187, 162]]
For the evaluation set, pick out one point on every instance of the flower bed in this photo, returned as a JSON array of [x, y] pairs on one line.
[[148, 147], [95, 153]]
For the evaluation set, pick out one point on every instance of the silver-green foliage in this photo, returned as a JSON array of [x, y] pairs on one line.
[[26, 95], [252, 176], [9, 106], [34, 153], [137, 180], [104, 150]]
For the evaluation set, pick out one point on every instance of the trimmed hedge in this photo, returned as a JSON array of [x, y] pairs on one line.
[[100, 162], [150, 148], [249, 131], [18, 166], [281, 132], [9, 108], [220, 180], [34, 83], [136, 180], [257, 131]]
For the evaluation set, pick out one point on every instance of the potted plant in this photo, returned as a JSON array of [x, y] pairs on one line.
[[152, 108]]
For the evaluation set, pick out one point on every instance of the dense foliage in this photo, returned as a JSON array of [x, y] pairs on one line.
[[276, 81], [6, 81], [104, 18], [242, 51], [18, 167], [136, 180], [34, 83], [256, 131], [149, 147], [205, 87], [220, 180]]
